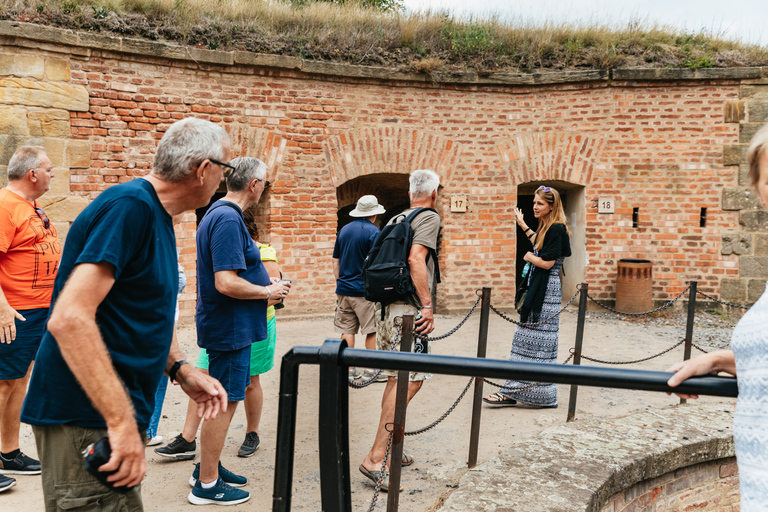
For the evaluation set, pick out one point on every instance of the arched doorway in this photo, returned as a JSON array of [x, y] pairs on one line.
[[575, 206], [390, 189]]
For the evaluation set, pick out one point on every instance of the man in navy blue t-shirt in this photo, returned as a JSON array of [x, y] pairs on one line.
[[353, 244], [233, 290], [109, 335]]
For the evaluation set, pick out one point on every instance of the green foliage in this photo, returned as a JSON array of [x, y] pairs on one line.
[[100, 12], [70, 7], [698, 61], [468, 40], [381, 5]]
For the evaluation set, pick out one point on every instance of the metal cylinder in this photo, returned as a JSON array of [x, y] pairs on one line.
[[634, 286]]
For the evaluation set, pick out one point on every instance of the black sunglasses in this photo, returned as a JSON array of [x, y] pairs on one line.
[[40, 213], [229, 168]]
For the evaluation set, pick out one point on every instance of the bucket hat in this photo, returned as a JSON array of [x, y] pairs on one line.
[[366, 207]]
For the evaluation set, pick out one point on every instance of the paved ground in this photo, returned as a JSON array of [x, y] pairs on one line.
[[441, 453]]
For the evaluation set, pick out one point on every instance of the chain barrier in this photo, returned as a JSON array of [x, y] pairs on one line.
[[382, 471], [530, 325], [656, 310], [529, 386], [636, 360], [445, 415], [452, 331], [375, 376], [726, 303], [699, 348]]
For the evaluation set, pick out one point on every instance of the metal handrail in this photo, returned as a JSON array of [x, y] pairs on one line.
[[334, 359]]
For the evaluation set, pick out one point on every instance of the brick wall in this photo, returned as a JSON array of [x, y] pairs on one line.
[[657, 145], [708, 487]]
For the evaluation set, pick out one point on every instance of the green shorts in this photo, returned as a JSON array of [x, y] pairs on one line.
[[262, 352]]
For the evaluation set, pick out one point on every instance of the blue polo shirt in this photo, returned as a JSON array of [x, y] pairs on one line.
[[126, 226], [353, 244], [223, 243]]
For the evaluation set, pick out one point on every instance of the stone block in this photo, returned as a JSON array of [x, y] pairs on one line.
[[734, 111], [743, 178], [734, 154], [747, 131], [754, 220], [733, 290], [62, 229], [758, 111], [755, 289], [736, 243], [60, 182], [754, 91], [13, 121], [49, 123], [67, 209], [3, 175], [78, 154], [739, 199], [57, 70], [21, 91], [756, 266], [760, 244], [22, 65]]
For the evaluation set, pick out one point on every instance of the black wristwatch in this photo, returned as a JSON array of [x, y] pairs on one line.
[[175, 369]]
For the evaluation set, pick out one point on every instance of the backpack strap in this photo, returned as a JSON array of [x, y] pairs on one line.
[[225, 203], [431, 252]]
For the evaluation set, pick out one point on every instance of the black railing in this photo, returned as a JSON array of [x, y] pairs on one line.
[[335, 358]]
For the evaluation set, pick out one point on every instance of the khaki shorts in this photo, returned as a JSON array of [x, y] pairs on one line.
[[387, 329], [353, 313], [66, 483]]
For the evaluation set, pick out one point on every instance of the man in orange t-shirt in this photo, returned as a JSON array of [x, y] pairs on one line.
[[29, 259]]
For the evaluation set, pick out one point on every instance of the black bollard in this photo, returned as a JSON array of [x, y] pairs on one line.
[[398, 431], [577, 348], [477, 402], [689, 325]]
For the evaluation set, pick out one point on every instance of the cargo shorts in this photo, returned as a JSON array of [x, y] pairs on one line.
[[388, 328]]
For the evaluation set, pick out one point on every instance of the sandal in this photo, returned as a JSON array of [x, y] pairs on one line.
[[375, 476], [407, 460], [500, 400]]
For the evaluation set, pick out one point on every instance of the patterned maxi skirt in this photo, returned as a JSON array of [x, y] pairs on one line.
[[538, 345]]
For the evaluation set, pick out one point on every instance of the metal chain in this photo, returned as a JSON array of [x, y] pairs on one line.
[[699, 348], [663, 306], [372, 379], [445, 415], [529, 325], [452, 331], [699, 292], [635, 361], [529, 386], [380, 480]]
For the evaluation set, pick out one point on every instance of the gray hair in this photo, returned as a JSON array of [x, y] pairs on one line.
[[184, 147], [246, 170], [757, 147], [423, 182], [24, 159]]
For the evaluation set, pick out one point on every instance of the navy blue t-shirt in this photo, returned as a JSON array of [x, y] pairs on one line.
[[353, 244], [126, 226], [223, 243]]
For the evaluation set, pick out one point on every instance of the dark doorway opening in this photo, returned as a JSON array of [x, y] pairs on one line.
[[391, 191]]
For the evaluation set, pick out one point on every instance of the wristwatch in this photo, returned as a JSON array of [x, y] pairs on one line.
[[175, 369]]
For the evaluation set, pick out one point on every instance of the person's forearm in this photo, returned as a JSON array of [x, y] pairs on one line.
[[336, 266], [84, 351], [232, 285], [420, 279], [724, 361], [541, 263], [175, 354]]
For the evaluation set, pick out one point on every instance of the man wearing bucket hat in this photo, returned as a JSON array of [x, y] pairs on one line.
[[353, 243]]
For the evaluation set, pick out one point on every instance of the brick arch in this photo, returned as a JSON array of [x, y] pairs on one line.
[[388, 150], [265, 145], [565, 157]]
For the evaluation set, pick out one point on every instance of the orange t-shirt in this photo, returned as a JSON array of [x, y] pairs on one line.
[[29, 254]]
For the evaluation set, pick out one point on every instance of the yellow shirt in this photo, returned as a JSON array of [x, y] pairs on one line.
[[268, 254]]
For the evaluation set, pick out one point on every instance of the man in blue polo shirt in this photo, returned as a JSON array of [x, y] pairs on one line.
[[233, 290], [109, 335], [353, 244]]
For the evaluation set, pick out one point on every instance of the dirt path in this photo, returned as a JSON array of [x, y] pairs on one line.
[[440, 453]]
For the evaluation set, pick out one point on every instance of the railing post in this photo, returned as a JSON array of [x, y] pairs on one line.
[[477, 402], [577, 348], [398, 430], [689, 325], [286, 438], [334, 429]]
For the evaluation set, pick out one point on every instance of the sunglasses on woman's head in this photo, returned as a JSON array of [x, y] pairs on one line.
[[545, 189]]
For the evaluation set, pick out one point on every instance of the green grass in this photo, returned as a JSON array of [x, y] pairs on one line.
[[355, 33]]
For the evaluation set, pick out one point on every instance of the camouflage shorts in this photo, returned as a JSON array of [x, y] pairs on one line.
[[387, 329]]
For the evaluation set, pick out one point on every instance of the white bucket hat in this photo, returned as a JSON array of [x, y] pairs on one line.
[[366, 207]]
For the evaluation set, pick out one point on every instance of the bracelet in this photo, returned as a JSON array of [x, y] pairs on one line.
[[426, 307], [531, 235], [270, 293], [175, 369], [529, 229]]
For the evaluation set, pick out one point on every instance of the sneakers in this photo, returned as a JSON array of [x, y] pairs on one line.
[[354, 374], [179, 449], [19, 465], [220, 494], [225, 475], [6, 483], [250, 445], [367, 374], [154, 441]]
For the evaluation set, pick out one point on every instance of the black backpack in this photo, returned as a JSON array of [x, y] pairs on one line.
[[386, 275]]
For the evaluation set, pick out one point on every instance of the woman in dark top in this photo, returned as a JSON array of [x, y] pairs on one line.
[[551, 244]]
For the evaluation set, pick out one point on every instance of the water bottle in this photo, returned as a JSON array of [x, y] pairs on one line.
[[526, 269]]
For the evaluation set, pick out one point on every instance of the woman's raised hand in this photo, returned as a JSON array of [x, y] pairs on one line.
[[519, 217]]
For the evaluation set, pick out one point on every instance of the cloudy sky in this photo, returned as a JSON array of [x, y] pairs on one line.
[[746, 20]]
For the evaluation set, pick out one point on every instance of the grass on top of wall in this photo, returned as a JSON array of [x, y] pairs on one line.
[[422, 41]]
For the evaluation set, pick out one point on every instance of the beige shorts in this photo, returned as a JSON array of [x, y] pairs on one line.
[[387, 329], [353, 314]]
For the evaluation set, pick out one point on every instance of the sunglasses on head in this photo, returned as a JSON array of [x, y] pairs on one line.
[[545, 189], [228, 169], [40, 213]]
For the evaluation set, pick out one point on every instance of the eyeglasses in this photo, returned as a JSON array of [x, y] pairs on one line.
[[229, 168], [545, 189], [267, 184], [40, 213]]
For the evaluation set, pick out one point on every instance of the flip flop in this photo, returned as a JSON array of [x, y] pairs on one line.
[[407, 460], [499, 400], [376, 475]]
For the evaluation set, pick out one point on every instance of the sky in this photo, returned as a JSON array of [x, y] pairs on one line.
[[745, 20]]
